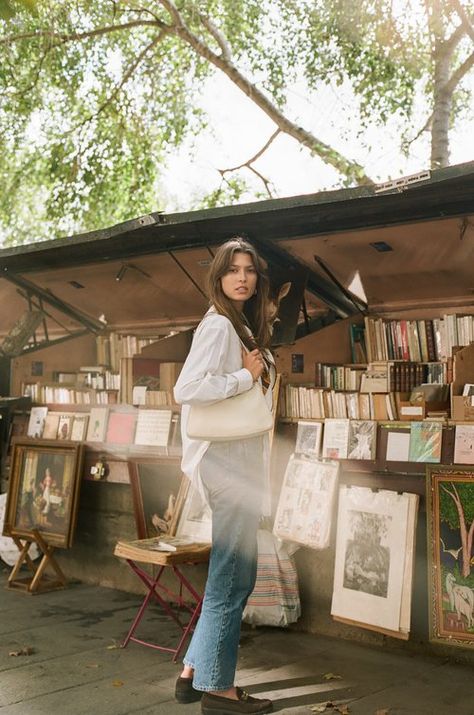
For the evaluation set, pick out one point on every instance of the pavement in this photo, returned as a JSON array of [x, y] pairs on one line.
[[72, 664]]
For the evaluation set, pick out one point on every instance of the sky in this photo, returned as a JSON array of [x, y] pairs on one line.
[[240, 129]]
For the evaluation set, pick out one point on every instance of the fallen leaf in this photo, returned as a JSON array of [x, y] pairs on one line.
[[332, 676], [113, 646], [343, 709], [92, 665], [27, 650], [382, 712], [117, 683], [322, 707]]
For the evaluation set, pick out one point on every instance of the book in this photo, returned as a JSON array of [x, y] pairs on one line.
[[79, 427], [150, 551], [65, 426], [425, 442], [51, 424], [464, 444], [97, 424], [308, 438], [362, 439], [121, 428], [37, 421], [153, 427], [336, 438]]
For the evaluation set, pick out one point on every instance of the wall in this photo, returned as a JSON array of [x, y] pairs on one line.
[[66, 357]]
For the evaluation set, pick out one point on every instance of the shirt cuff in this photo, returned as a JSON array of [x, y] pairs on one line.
[[244, 379]]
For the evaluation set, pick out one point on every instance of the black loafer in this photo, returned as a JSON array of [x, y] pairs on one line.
[[244, 705], [184, 691]]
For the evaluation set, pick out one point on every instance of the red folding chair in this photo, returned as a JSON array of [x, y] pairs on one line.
[[169, 600]]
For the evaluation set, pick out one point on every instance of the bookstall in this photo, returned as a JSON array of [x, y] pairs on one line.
[[376, 415]]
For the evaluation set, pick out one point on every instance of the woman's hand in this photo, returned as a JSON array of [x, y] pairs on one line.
[[253, 361]]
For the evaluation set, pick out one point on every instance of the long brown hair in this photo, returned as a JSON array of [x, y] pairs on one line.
[[256, 308]]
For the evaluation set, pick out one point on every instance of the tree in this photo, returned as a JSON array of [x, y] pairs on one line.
[[457, 510], [111, 88]]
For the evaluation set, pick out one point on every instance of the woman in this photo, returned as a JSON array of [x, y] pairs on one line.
[[229, 353]]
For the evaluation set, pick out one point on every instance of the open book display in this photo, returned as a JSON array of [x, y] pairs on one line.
[[154, 551]]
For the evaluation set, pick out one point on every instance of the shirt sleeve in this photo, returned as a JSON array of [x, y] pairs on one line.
[[202, 379]]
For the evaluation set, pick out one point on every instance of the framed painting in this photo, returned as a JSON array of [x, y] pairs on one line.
[[195, 516], [43, 493], [155, 488], [450, 527]]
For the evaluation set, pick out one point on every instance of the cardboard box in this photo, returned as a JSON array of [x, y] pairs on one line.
[[462, 408], [418, 411]]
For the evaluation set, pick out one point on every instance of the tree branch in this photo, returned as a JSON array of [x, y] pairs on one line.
[[351, 169], [256, 156], [464, 17], [218, 36], [74, 36], [457, 76], [248, 164]]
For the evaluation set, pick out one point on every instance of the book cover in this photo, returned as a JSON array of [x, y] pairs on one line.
[[308, 438], [362, 439], [97, 424], [464, 444], [153, 428], [51, 424], [65, 426], [425, 442], [79, 427], [336, 439], [121, 428], [37, 421]]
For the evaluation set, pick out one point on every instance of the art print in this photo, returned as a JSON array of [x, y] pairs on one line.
[[155, 489], [450, 513], [362, 439], [305, 507], [43, 492], [374, 557]]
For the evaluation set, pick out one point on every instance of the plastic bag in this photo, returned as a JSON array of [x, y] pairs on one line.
[[275, 600]]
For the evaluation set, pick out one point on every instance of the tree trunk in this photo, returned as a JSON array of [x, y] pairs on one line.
[[442, 95]]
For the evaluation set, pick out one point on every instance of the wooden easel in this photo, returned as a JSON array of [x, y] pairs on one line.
[[37, 582]]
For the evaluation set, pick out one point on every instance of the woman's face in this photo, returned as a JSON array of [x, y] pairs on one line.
[[240, 281]]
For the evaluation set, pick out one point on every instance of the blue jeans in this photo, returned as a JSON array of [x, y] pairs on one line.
[[233, 477]]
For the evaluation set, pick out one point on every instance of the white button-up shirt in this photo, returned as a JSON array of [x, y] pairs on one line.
[[213, 371]]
